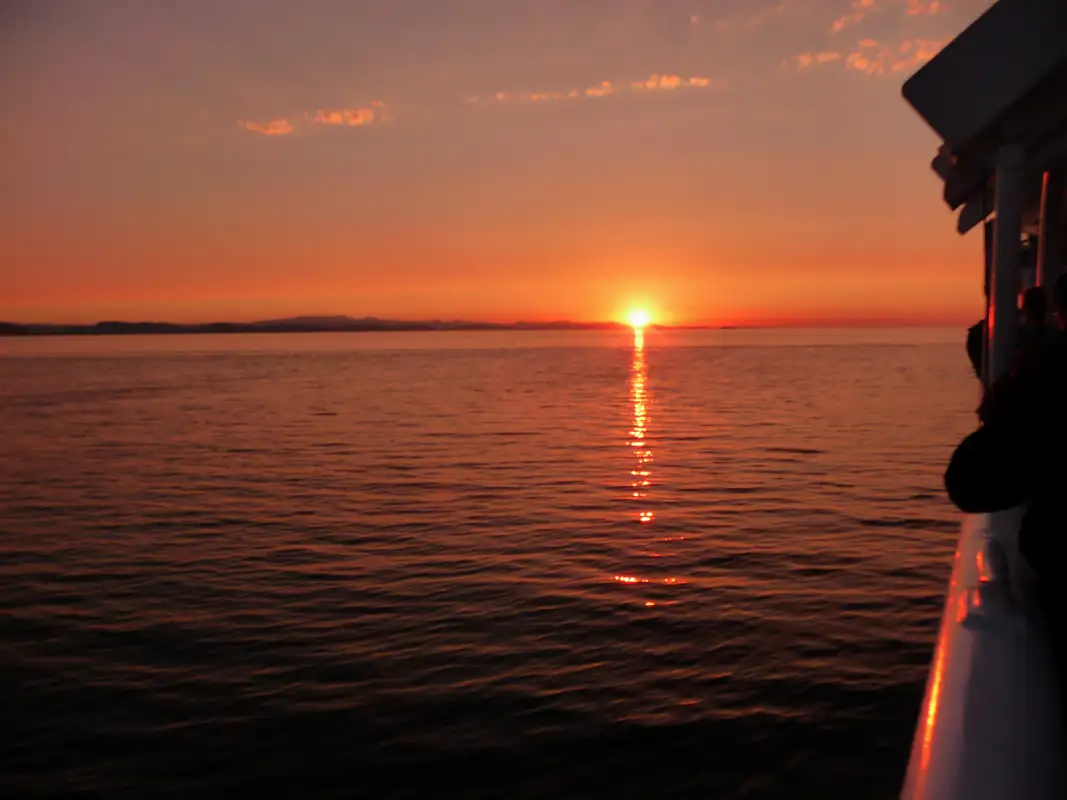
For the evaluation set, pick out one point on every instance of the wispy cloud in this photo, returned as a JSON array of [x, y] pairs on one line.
[[808, 60], [669, 83], [909, 54], [351, 117], [275, 127], [873, 57], [917, 8], [655, 82], [378, 112], [602, 89], [375, 113], [665, 82], [858, 11]]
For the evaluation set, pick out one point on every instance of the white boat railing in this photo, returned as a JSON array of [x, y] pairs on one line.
[[991, 724]]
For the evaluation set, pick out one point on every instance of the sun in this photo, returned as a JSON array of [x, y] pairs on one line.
[[639, 318]]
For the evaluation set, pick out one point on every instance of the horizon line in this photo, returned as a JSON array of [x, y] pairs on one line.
[[327, 322]]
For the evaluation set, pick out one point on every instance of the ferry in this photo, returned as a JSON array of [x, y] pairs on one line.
[[991, 724]]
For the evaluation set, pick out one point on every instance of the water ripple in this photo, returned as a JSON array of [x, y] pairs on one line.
[[582, 570]]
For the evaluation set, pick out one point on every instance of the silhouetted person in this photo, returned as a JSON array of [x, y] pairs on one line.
[[1018, 456], [1036, 336], [975, 346], [1036, 330], [1035, 307]]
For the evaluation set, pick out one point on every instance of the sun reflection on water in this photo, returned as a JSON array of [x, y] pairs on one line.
[[640, 447], [641, 473]]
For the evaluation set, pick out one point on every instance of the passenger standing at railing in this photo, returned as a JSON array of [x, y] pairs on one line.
[[1017, 457], [1036, 330]]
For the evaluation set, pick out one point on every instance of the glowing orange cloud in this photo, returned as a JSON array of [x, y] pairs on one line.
[[667, 82], [806, 60], [275, 127], [655, 82], [670, 82], [860, 10], [872, 57], [352, 117], [602, 89], [923, 7], [875, 59]]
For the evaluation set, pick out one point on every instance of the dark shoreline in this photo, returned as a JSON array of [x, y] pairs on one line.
[[372, 325]]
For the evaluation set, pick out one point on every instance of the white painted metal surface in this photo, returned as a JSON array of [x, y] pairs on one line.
[[990, 727]]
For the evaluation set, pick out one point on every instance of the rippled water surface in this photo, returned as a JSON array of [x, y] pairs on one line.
[[699, 564]]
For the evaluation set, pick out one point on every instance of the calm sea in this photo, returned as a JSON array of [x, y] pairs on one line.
[[523, 565]]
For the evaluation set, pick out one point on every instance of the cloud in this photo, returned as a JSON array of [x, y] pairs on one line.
[[375, 113], [345, 116], [859, 10], [861, 63], [602, 89], [880, 59], [918, 8], [872, 57], [856, 14], [808, 60], [655, 82], [275, 127], [352, 117], [913, 53]]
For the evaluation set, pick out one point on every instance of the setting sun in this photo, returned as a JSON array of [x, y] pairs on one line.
[[639, 318]]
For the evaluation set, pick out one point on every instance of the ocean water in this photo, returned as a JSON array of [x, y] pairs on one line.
[[683, 564]]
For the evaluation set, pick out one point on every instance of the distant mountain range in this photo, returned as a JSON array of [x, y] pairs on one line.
[[293, 325]]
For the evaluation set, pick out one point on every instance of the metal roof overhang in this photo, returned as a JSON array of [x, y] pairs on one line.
[[1003, 80]]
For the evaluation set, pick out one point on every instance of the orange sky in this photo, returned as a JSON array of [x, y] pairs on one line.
[[738, 161]]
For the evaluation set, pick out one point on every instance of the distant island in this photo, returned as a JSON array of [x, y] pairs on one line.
[[294, 325], [341, 324]]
